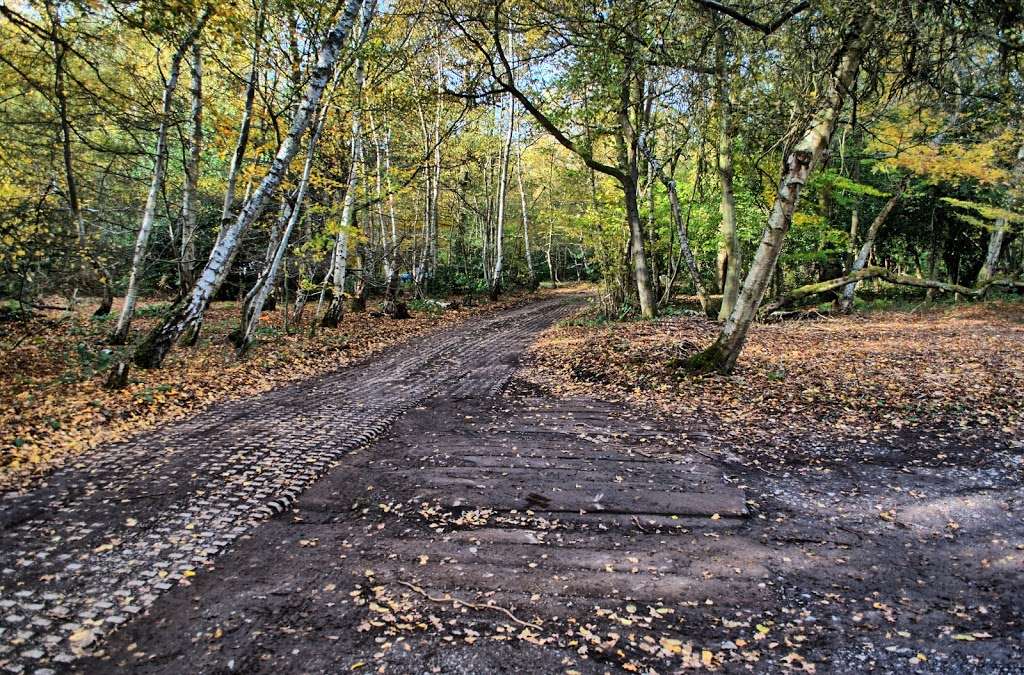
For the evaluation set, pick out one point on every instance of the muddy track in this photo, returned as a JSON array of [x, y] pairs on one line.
[[97, 544], [530, 510]]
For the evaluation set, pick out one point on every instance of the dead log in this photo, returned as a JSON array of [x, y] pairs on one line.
[[810, 290]]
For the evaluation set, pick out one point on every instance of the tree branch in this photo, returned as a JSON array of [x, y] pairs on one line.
[[750, 22], [810, 290], [507, 84]]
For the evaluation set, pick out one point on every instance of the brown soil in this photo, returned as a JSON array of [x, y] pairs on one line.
[[498, 529]]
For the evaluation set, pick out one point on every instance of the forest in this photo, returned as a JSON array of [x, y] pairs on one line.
[[740, 230], [291, 153]]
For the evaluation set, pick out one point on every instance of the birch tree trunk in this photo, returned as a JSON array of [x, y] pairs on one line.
[[421, 264], [152, 351], [124, 320], [998, 234], [389, 231], [797, 166], [869, 242], [729, 262], [525, 217], [187, 250], [243, 132], [547, 254], [995, 247], [336, 308], [502, 198], [339, 264], [436, 197], [265, 282], [681, 224], [378, 170], [851, 255]]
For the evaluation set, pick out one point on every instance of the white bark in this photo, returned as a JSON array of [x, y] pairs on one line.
[[265, 283], [869, 242], [995, 247], [420, 264], [152, 352], [187, 245], [502, 198], [998, 234], [124, 320], [340, 268], [680, 222], [525, 216], [797, 166], [547, 255], [389, 222]]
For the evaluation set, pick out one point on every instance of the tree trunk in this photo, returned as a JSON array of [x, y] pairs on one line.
[[152, 351], [99, 271], [729, 261], [628, 141], [332, 317], [420, 267], [869, 241], [502, 198], [995, 247], [120, 335], [526, 220], [627, 177], [436, 197], [636, 244], [797, 166], [243, 132], [681, 224], [547, 254], [265, 282], [880, 274], [998, 234], [187, 250]]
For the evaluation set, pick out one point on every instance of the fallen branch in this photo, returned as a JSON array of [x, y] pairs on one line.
[[462, 603], [810, 290]]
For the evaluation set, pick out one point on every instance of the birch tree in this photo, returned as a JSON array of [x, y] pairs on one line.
[[257, 297], [187, 231], [796, 167], [870, 236], [502, 198], [124, 320], [186, 313], [242, 144], [524, 212], [998, 234], [341, 245]]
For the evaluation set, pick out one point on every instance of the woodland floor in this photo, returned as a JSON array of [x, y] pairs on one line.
[[849, 501]]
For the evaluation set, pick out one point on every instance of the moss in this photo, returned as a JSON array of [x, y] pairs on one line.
[[711, 360], [147, 354]]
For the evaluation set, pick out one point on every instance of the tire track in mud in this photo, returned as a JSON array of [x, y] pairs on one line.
[[93, 547]]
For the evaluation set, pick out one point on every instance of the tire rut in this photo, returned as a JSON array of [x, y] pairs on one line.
[[99, 542]]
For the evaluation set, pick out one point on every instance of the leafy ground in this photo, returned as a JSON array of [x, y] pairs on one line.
[[878, 531], [883, 458], [949, 373], [53, 405]]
